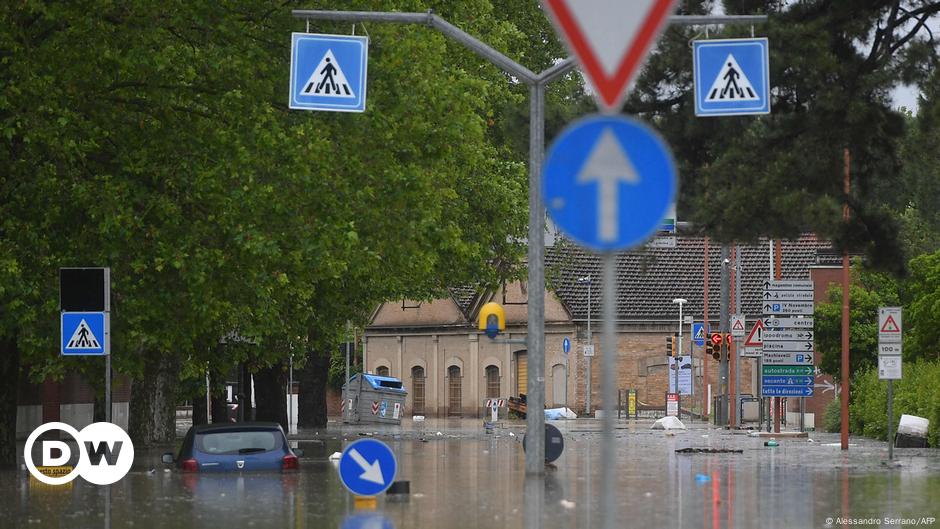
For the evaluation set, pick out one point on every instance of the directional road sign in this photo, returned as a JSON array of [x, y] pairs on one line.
[[795, 346], [788, 307], [786, 357], [787, 370], [732, 77], [610, 38], [774, 322], [698, 334], [776, 336], [84, 333], [328, 72], [608, 182], [367, 467], [776, 380], [788, 295], [566, 345], [786, 284], [787, 391]]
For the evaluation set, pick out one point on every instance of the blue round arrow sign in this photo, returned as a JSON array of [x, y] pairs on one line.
[[367, 467], [609, 182]]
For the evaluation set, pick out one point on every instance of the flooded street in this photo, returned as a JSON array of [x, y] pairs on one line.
[[461, 477]]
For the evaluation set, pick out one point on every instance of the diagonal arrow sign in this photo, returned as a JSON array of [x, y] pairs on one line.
[[371, 471], [608, 165]]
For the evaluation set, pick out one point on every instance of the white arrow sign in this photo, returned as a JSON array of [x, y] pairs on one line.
[[608, 165], [371, 472], [826, 385]]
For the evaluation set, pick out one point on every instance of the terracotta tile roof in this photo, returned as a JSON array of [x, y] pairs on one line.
[[465, 296], [650, 278]]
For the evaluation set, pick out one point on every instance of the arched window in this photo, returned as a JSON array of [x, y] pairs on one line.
[[492, 382], [382, 371], [454, 397], [417, 390]]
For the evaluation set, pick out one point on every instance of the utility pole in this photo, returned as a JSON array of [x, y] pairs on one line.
[[723, 320]]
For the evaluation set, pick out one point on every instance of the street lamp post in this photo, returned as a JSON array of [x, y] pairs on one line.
[[587, 359], [675, 363]]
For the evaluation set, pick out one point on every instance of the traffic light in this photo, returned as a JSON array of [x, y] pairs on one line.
[[670, 346], [713, 350]]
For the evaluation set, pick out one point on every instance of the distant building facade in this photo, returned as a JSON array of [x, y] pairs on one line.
[[450, 368]]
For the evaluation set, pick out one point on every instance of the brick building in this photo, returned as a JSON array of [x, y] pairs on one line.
[[450, 368]]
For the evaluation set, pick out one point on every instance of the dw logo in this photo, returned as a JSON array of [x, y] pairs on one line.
[[105, 453]]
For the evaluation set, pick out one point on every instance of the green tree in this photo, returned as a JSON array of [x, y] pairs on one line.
[[922, 313], [833, 64], [868, 291]]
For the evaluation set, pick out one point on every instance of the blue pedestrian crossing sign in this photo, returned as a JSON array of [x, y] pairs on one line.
[[609, 181], [84, 333], [367, 467], [328, 72], [732, 77], [698, 334]]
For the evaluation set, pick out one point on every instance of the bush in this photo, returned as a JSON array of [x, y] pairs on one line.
[[918, 393], [832, 416]]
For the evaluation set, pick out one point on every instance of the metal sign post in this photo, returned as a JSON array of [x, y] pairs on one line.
[[889, 360]]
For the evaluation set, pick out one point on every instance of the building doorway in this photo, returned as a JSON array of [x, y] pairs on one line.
[[522, 372]]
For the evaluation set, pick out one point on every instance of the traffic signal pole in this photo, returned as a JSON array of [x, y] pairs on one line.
[[724, 302]]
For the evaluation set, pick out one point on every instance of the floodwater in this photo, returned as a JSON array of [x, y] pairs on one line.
[[462, 477]]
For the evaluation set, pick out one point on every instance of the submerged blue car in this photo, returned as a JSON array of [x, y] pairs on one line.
[[235, 447]]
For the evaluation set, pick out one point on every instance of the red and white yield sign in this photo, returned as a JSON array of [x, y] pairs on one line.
[[610, 38]]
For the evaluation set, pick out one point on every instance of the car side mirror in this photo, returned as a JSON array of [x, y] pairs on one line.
[[168, 458], [299, 452]]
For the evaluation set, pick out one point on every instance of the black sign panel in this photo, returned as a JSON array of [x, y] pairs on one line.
[[84, 289]]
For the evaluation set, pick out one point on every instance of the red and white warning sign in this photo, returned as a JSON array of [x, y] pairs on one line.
[[610, 39], [754, 343], [375, 408], [889, 324], [737, 325]]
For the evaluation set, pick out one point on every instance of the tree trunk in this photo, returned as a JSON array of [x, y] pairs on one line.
[[200, 409], [153, 403], [10, 374], [219, 403], [313, 378], [270, 395]]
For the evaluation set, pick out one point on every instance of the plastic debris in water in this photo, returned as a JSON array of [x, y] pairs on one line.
[[772, 442]]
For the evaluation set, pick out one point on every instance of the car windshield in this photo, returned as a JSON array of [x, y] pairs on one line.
[[236, 442]]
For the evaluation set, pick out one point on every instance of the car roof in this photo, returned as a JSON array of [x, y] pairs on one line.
[[237, 427]]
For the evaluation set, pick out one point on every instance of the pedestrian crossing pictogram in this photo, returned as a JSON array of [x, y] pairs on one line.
[[890, 325], [700, 334], [328, 79], [731, 84], [83, 338]]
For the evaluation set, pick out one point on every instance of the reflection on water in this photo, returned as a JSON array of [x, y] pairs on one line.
[[476, 480]]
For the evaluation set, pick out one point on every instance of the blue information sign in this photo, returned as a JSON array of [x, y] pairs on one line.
[[566, 345], [609, 181], [367, 467], [786, 381], [787, 391], [732, 77], [328, 72], [83, 333]]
